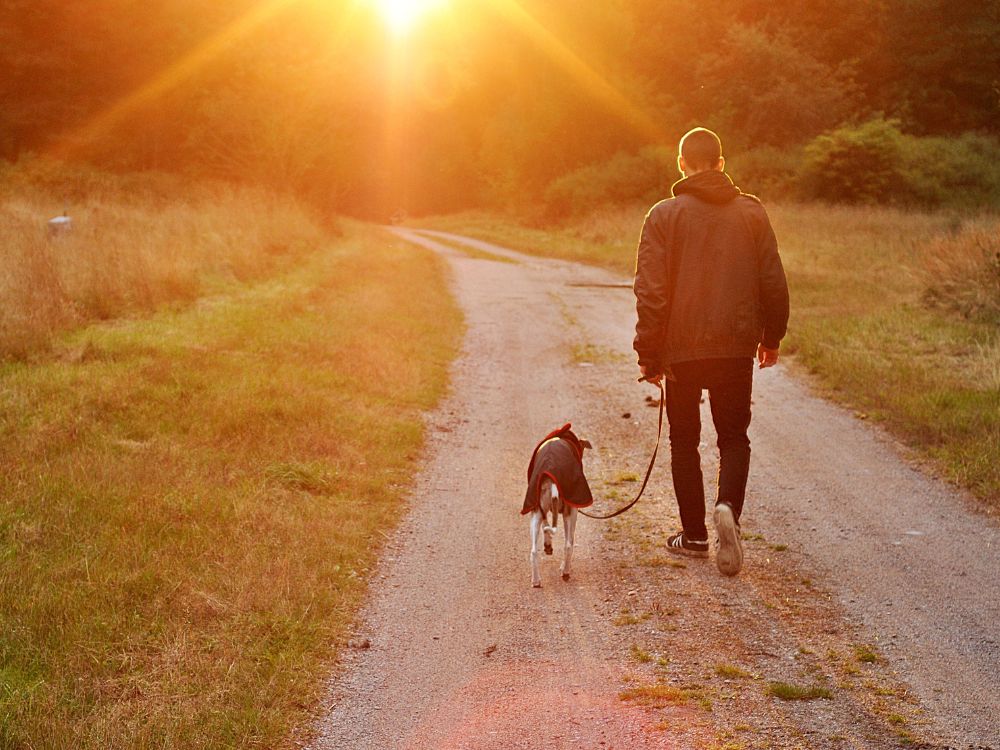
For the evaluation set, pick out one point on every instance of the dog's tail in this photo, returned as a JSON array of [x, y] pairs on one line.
[[555, 505]]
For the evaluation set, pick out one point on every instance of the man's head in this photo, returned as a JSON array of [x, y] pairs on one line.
[[700, 151]]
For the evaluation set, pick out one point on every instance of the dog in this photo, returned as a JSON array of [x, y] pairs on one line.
[[556, 484]]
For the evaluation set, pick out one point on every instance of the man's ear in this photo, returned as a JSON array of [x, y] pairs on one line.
[[586, 444], [681, 166], [721, 166]]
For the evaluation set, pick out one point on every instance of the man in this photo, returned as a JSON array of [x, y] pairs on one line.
[[710, 295]]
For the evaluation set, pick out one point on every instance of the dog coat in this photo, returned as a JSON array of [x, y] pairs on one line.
[[560, 458]]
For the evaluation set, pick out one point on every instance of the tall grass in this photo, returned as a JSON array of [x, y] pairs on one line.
[[136, 243], [962, 272], [861, 279], [190, 501]]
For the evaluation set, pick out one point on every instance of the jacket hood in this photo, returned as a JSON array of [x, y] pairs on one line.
[[710, 186]]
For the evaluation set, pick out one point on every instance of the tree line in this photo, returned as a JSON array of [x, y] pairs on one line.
[[490, 102]]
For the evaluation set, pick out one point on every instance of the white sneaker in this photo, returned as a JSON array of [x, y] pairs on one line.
[[729, 555]]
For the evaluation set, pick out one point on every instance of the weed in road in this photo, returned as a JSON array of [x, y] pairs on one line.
[[731, 671], [787, 691], [866, 654], [627, 618], [655, 696], [639, 654]]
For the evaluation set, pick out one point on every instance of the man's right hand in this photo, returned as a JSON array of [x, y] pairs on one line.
[[766, 357], [649, 376]]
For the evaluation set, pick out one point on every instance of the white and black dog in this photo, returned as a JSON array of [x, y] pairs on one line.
[[556, 483]]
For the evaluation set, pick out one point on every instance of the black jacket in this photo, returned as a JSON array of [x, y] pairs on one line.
[[708, 280]]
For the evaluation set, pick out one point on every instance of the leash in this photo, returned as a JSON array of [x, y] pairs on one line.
[[649, 469]]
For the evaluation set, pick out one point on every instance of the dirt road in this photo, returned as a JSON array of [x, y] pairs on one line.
[[866, 583]]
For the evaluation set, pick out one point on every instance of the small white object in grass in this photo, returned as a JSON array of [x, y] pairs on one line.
[[59, 225], [586, 364]]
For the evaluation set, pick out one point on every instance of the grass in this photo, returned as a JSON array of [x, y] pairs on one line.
[[656, 696], [881, 312], [639, 654], [190, 502], [137, 243], [627, 618], [594, 354], [731, 671], [865, 654], [472, 252], [787, 691]]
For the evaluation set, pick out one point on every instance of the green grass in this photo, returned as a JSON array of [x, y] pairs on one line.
[[786, 691], [865, 654], [639, 654], [858, 279], [190, 503], [472, 252], [731, 671]]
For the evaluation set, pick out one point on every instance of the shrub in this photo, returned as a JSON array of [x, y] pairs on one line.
[[962, 171], [855, 163], [875, 162], [962, 272], [625, 178], [768, 172]]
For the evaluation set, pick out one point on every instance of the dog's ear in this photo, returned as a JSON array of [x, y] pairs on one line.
[[586, 444]]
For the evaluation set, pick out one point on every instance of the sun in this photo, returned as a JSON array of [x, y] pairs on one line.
[[402, 15]]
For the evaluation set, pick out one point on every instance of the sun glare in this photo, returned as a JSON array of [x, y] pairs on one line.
[[403, 15]]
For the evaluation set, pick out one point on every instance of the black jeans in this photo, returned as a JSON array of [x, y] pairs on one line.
[[729, 383]]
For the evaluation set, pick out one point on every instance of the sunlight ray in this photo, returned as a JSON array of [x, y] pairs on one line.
[[597, 85], [172, 77]]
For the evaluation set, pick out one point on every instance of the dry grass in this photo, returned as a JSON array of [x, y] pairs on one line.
[[859, 278], [190, 502], [136, 243], [962, 272]]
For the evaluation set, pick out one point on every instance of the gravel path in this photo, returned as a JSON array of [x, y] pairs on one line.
[[465, 654]]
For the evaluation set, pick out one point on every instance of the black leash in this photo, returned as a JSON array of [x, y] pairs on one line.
[[652, 460]]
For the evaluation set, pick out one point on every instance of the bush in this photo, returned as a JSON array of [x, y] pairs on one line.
[[962, 273], [768, 172], [875, 162], [626, 178], [855, 163], [963, 171]]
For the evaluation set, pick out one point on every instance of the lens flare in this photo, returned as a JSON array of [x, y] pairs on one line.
[[403, 15]]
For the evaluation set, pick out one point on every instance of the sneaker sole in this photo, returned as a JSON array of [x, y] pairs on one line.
[[729, 557], [687, 552]]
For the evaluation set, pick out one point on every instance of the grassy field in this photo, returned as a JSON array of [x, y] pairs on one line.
[[137, 242], [190, 501], [891, 309]]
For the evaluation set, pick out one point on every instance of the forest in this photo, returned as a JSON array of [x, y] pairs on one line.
[[530, 105]]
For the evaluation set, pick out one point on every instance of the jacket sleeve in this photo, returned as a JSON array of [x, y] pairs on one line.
[[773, 288], [652, 297]]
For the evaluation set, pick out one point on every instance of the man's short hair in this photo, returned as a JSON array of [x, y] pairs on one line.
[[701, 149]]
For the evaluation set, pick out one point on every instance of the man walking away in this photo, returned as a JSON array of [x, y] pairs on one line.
[[710, 295]]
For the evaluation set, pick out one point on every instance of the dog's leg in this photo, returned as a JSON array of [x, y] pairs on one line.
[[536, 525], [569, 531]]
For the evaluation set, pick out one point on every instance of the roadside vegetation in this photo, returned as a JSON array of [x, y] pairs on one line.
[[896, 310], [191, 500], [136, 242]]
